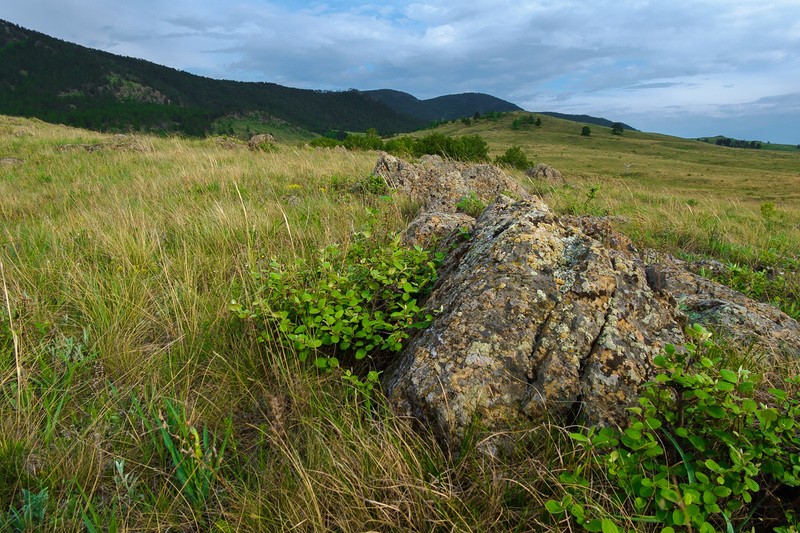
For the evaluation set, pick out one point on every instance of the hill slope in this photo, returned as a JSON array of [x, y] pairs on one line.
[[103, 91], [588, 119], [443, 107]]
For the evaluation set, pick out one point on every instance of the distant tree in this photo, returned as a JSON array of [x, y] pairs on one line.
[[477, 115], [538, 122], [586, 131], [617, 128]]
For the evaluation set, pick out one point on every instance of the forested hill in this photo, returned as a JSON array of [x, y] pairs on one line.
[[62, 82], [443, 107]]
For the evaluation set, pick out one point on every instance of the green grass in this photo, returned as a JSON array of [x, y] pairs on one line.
[[118, 269], [246, 125]]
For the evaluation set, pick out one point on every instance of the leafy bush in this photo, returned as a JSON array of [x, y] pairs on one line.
[[351, 302], [471, 205], [586, 131], [465, 148], [705, 448], [526, 120], [514, 158]]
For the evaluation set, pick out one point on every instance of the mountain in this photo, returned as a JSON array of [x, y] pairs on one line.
[[62, 82], [586, 119], [443, 107]]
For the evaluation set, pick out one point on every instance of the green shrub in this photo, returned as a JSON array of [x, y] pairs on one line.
[[514, 158], [465, 148], [400, 146], [471, 205], [350, 302], [705, 448]]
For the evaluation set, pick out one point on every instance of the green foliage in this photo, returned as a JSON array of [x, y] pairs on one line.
[[350, 302], [362, 389], [464, 148], [586, 131], [196, 458], [617, 128], [373, 184], [514, 158], [29, 517], [526, 120], [471, 205], [705, 448], [401, 146]]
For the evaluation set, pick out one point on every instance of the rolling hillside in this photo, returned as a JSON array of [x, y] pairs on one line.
[[104, 91], [443, 107]]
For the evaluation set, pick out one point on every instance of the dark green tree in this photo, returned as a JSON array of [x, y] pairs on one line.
[[586, 131], [617, 128]]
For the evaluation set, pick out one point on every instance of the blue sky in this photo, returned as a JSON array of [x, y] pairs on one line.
[[687, 68]]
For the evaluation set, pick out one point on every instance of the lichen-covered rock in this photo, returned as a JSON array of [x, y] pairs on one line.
[[257, 142], [545, 173], [431, 227], [439, 184], [741, 320], [537, 318]]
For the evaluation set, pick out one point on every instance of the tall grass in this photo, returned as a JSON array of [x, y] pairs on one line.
[[118, 268]]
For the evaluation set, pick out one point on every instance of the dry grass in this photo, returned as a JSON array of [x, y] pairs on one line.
[[118, 267]]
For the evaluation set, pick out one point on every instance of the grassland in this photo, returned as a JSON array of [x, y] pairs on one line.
[[120, 256]]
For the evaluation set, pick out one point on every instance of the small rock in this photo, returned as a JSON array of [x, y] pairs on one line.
[[545, 173], [257, 142]]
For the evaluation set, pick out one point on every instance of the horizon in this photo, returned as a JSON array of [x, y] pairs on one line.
[[688, 70]]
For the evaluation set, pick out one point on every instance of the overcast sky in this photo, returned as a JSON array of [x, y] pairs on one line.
[[687, 68]]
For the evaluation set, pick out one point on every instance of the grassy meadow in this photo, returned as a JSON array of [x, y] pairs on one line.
[[133, 399]]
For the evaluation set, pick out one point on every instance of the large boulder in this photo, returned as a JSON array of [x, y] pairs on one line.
[[536, 318], [541, 317], [439, 184]]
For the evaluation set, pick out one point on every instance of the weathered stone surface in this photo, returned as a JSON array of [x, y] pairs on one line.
[[439, 184], [434, 226], [257, 141], [743, 321], [10, 161], [538, 318], [545, 173]]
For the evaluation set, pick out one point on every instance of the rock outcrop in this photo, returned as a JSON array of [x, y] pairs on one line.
[[741, 320], [261, 140], [540, 316], [545, 173]]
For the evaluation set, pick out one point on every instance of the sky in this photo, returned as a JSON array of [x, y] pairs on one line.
[[686, 68]]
